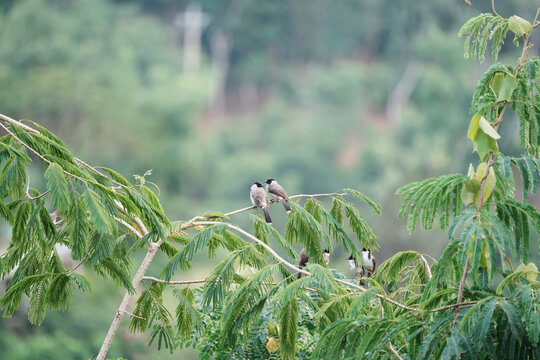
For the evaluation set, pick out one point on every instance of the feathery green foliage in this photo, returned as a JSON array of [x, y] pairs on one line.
[[478, 30], [470, 303], [424, 199]]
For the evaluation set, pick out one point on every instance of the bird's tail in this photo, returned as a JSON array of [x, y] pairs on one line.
[[299, 273], [285, 205], [267, 215]]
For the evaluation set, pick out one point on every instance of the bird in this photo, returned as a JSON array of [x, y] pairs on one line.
[[303, 259], [259, 198], [278, 193], [368, 265]]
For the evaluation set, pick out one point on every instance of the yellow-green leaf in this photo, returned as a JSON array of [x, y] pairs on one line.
[[488, 129], [484, 259], [490, 179], [530, 271], [503, 85], [474, 126], [518, 25], [471, 172], [272, 345], [485, 144], [466, 196], [483, 136], [472, 185]]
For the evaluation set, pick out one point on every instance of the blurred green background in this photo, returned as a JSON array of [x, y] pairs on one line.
[[213, 95]]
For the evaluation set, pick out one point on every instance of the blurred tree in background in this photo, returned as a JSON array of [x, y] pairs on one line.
[[321, 95]]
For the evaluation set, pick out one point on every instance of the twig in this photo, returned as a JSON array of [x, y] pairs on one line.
[[394, 351], [174, 282], [18, 123], [517, 68], [453, 306], [426, 265], [80, 263], [495, 11], [139, 235], [133, 315], [152, 251], [461, 287], [27, 190], [202, 217]]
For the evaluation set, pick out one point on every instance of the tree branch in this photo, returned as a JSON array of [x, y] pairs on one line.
[[174, 282], [294, 267], [426, 265], [461, 287], [394, 351], [152, 250]]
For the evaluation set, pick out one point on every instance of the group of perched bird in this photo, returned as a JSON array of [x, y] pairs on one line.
[[259, 198]]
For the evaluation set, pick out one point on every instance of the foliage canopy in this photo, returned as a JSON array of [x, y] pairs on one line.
[[470, 303]]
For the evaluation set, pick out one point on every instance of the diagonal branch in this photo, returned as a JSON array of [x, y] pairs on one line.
[[294, 267], [174, 282]]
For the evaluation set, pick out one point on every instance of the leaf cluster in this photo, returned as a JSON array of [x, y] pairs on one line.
[[82, 209]]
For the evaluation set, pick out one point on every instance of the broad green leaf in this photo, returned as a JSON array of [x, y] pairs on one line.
[[474, 126], [483, 143], [466, 196], [472, 185], [519, 26], [490, 181], [503, 85]]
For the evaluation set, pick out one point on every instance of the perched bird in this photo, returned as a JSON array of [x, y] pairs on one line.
[[368, 266], [303, 259], [260, 199], [278, 193]]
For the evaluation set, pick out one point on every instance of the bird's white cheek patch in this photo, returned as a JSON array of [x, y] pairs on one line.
[[352, 265]]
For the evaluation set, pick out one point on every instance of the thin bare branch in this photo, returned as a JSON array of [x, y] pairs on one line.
[[174, 282], [461, 287], [18, 123], [495, 11], [426, 265], [113, 329], [135, 316], [469, 303], [135, 231], [394, 351]]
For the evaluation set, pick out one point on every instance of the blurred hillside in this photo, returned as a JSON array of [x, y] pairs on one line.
[[213, 95]]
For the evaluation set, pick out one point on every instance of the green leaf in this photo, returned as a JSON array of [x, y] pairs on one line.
[[519, 26], [57, 185], [524, 272], [483, 143], [503, 85]]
